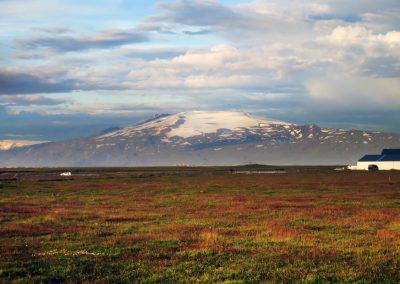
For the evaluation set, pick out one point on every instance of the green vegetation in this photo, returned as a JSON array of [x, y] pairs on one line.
[[169, 226]]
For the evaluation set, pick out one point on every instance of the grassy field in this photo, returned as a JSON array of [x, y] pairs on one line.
[[206, 226]]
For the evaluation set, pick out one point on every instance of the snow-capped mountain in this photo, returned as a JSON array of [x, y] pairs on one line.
[[11, 144], [197, 123], [207, 138]]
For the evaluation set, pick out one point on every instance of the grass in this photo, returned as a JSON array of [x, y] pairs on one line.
[[208, 226]]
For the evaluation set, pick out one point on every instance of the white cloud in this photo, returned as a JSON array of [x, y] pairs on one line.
[[337, 54], [360, 35]]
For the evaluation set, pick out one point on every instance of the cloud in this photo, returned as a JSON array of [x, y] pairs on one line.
[[337, 56], [104, 39], [231, 21], [382, 66], [343, 8], [221, 66], [359, 35], [14, 82], [152, 53], [52, 30], [198, 13], [50, 80], [354, 93], [364, 52], [200, 32], [31, 100]]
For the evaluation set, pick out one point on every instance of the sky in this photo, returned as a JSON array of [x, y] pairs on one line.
[[72, 68]]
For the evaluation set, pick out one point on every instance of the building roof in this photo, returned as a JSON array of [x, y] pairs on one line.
[[391, 152], [388, 155], [370, 158], [390, 158]]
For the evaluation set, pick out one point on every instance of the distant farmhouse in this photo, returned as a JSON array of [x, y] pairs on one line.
[[389, 159]]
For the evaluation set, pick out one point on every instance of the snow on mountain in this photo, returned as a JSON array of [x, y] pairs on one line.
[[11, 144], [194, 123], [199, 122]]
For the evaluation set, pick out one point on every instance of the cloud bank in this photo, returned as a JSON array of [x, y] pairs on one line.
[[321, 61], [104, 39]]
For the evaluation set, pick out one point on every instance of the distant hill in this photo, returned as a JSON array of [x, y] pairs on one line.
[[111, 129], [207, 138], [12, 144]]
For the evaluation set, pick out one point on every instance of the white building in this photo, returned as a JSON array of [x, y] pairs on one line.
[[388, 160]]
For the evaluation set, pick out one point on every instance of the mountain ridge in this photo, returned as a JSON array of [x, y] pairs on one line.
[[207, 138], [8, 144]]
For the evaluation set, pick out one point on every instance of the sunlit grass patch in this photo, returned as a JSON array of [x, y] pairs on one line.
[[202, 228]]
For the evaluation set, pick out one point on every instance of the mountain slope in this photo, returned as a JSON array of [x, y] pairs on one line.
[[207, 138], [11, 144]]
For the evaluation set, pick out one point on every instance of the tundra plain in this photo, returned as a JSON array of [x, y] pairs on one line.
[[199, 224]]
